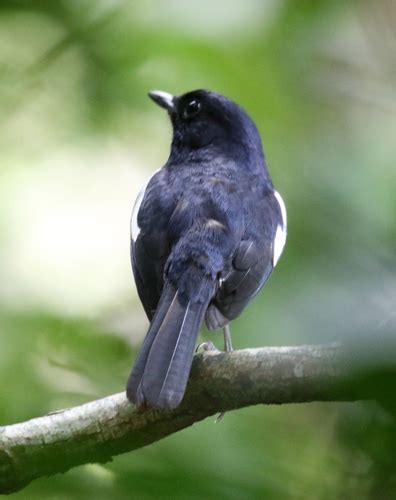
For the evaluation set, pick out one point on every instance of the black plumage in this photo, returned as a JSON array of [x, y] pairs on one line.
[[207, 231]]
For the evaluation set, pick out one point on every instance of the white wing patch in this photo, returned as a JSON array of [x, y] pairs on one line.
[[281, 231], [135, 229]]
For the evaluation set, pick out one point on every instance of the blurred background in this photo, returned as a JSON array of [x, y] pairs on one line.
[[78, 139]]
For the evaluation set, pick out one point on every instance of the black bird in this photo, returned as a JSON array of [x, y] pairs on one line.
[[207, 230]]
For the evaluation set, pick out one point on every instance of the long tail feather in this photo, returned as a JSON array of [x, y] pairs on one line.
[[160, 374]]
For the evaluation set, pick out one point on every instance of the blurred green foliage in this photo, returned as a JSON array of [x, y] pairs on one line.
[[319, 79]]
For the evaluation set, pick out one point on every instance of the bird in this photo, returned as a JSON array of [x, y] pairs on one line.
[[207, 230]]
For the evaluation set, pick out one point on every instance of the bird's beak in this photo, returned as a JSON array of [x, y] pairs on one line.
[[163, 99]]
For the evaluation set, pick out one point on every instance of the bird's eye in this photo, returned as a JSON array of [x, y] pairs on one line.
[[192, 108]]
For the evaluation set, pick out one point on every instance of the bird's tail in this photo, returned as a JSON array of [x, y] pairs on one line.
[[159, 376]]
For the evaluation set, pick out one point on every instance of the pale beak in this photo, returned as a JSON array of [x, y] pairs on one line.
[[163, 99]]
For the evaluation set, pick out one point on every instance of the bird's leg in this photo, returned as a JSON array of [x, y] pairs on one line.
[[227, 339], [228, 348]]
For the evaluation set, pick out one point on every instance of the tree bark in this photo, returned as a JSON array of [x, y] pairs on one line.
[[96, 431]]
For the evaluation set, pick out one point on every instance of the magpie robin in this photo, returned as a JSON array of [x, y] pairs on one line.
[[206, 232]]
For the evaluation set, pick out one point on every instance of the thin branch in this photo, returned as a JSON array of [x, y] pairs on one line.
[[97, 431]]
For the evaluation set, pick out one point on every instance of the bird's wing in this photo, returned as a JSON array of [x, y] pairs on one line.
[[149, 242], [252, 264]]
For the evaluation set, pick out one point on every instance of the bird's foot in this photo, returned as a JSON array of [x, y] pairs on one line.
[[207, 347]]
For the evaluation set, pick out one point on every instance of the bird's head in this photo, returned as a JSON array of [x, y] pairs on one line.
[[206, 123]]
